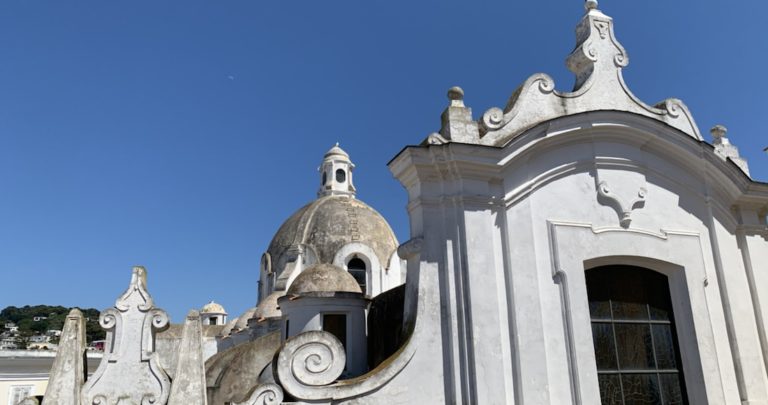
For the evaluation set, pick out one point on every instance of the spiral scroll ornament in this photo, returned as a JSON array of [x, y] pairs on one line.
[[310, 359], [673, 107], [493, 118], [264, 394], [108, 318]]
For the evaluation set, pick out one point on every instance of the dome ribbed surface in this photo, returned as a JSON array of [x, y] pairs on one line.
[[323, 278], [329, 223]]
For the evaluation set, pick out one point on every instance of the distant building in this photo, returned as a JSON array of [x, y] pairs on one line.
[[25, 373], [8, 343], [40, 339], [97, 345], [213, 314]]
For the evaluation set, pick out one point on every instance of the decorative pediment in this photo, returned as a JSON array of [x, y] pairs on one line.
[[130, 371], [597, 61]]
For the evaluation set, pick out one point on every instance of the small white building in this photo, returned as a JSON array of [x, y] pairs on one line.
[[39, 339], [213, 314]]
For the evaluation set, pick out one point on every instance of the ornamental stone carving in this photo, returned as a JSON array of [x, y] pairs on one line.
[[308, 360], [264, 394], [130, 372], [597, 62], [622, 208]]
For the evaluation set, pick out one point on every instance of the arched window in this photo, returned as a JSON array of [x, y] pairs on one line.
[[341, 175], [638, 359], [357, 269]]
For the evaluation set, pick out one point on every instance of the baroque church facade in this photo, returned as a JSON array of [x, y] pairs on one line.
[[577, 247]]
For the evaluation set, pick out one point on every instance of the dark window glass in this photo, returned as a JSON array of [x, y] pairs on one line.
[[341, 175], [638, 359], [610, 389], [641, 389], [325, 178], [637, 337], [336, 324], [357, 269], [605, 351], [213, 321], [671, 390]]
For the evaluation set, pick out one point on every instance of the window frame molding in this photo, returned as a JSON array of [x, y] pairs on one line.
[[681, 256], [373, 268]]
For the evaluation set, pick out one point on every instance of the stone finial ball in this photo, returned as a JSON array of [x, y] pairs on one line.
[[590, 4], [455, 93], [718, 131]]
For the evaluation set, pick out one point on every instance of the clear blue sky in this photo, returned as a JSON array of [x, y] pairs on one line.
[[180, 134]]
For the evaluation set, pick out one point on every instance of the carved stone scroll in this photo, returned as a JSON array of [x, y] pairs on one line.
[[264, 394], [308, 360], [623, 209], [130, 372]]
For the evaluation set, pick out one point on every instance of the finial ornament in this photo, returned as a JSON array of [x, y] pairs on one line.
[[455, 93], [725, 149], [718, 132], [590, 4]]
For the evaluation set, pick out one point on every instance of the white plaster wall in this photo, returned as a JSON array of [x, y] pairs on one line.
[[508, 233], [567, 195]]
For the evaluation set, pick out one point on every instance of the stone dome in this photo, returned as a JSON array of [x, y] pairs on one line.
[[327, 224], [213, 308], [242, 320], [268, 308], [323, 278], [336, 151]]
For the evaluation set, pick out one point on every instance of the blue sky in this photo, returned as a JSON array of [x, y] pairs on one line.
[[180, 134]]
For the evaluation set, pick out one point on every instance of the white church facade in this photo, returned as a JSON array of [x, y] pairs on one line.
[[574, 247]]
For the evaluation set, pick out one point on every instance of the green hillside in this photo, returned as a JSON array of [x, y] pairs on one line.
[[24, 316]]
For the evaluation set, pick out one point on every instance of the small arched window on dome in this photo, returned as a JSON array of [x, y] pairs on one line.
[[359, 271], [341, 175]]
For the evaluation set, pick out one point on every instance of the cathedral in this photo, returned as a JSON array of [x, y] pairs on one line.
[[571, 247]]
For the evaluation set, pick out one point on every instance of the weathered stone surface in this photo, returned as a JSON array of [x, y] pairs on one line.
[[68, 372], [168, 342], [327, 224], [264, 394], [323, 278], [130, 372], [30, 401], [232, 374], [189, 382], [725, 149]]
